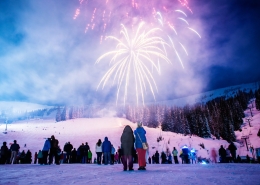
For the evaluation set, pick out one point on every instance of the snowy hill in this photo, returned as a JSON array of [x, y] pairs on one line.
[[83, 130], [18, 107]]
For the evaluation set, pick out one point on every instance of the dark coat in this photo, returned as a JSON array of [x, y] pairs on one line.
[[222, 152], [232, 147], [15, 147], [54, 143], [106, 146], [127, 141], [4, 150]]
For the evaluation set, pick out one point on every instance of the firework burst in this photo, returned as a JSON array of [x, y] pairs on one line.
[[132, 59]]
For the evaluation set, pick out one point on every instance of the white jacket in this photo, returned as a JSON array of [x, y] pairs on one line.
[[99, 148]]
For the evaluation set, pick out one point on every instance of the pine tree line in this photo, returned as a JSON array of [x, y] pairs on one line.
[[219, 117], [257, 99], [73, 112]]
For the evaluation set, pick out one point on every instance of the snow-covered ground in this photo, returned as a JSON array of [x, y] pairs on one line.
[[165, 174]]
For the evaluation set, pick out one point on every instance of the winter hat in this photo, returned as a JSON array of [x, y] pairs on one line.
[[139, 123]]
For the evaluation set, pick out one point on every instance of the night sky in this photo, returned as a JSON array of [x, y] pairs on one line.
[[45, 56]]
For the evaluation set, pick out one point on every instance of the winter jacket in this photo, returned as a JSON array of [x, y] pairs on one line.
[[139, 137], [228, 153], [99, 148], [4, 150], [86, 149], [89, 154], [68, 147], [106, 146], [127, 141], [54, 143], [175, 153], [47, 145], [222, 152], [15, 147], [232, 147], [40, 155], [113, 150]]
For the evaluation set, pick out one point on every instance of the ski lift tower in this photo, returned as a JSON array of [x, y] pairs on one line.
[[246, 138]]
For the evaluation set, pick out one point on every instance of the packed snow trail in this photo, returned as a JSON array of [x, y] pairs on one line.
[[212, 174]]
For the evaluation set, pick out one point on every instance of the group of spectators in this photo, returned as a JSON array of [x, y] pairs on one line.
[[228, 155], [13, 155], [132, 150], [51, 152]]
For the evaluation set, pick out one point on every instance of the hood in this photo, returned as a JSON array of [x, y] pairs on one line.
[[128, 129], [106, 139]]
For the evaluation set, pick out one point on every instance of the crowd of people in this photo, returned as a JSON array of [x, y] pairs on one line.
[[134, 149]]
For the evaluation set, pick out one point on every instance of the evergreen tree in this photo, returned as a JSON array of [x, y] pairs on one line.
[[153, 123], [206, 130], [64, 114], [168, 121], [257, 99], [58, 115]]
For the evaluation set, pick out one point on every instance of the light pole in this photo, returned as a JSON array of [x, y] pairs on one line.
[[249, 119]]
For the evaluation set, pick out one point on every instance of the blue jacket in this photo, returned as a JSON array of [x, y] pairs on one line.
[[106, 146], [141, 132], [47, 145]]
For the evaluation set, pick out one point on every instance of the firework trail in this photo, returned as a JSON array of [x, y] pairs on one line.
[[170, 16], [132, 58], [101, 14]]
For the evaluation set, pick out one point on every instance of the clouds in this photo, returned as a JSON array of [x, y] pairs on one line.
[[46, 57]]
